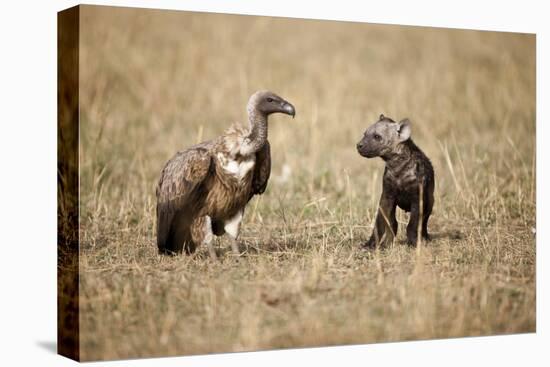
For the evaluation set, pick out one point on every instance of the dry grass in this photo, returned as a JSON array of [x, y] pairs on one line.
[[154, 82]]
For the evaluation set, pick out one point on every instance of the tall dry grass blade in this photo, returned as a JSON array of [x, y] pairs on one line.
[[350, 206], [200, 133], [420, 218]]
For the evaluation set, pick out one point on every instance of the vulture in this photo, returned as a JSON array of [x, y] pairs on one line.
[[203, 190]]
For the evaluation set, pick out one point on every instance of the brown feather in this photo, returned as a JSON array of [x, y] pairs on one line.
[[215, 179], [262, 171], [179, 190], [194, 183]]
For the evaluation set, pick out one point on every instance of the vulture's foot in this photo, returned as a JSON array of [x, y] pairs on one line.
[[235, 247], [232, 227], [211, 250]]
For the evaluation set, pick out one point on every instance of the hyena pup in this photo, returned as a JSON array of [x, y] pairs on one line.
[[408, 180]]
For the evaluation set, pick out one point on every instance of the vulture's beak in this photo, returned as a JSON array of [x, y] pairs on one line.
[[289, 109]]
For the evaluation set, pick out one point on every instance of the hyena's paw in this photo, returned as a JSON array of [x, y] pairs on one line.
[[411, 241], [369, 245]]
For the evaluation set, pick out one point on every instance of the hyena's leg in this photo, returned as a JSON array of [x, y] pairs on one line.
[[391, 227], [426, 215], [393, 219], [201, 231], [412, 227], [232, 228], [425, 234], [386, 224]]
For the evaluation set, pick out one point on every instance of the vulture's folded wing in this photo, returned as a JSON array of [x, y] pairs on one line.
[[178, 186], [262, 170]]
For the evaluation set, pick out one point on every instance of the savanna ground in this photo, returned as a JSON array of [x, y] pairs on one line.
[[155, 82]]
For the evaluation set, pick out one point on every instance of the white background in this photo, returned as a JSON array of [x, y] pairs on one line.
[[28, 182]]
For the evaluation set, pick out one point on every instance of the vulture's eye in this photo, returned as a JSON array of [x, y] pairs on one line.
[[377, 137], [270, 100]]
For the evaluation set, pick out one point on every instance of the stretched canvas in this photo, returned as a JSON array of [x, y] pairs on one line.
[[148, 263]]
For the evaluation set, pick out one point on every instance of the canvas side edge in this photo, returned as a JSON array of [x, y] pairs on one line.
[[68, 326]]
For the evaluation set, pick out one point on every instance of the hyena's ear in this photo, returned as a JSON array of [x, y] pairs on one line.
[[404, 130], [381, 117]]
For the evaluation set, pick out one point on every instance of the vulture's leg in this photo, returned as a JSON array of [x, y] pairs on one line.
[[201, 230], [209, 236], [232, 228]]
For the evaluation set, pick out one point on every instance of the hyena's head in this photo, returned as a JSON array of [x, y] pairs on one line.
[[381, 138]]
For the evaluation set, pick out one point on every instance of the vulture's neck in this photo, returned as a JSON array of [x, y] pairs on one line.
[[257, 137]]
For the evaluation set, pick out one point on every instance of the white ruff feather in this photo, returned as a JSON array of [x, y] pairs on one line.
[[233, 225], [236, 168]]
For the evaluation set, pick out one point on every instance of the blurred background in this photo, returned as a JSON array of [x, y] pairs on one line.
[[155, 82]]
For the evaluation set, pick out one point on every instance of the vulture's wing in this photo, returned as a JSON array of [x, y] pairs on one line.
[[262, 170], [178, 185]]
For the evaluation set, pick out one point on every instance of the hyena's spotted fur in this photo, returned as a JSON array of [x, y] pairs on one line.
[[408, 180]]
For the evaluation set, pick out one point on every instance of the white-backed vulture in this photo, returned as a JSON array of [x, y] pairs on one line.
[[203, 190]]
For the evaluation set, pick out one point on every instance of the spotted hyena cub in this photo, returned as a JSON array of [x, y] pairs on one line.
[[408, 180]]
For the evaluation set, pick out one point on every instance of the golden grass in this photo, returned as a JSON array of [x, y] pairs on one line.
[[154, 82]]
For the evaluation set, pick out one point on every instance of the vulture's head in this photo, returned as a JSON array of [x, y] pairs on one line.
[[267, 102]]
